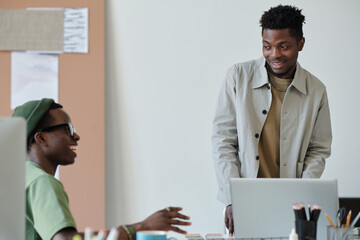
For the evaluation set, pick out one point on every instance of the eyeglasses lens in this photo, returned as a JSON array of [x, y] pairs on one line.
[[71, 129]]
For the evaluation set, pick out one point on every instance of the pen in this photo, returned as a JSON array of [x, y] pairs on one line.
[[328, 218], [101, 235], [87, 233], [355, 220], [113, 235], [348, 219]]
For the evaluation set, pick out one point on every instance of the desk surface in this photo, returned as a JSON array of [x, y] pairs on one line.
[[224, 237]]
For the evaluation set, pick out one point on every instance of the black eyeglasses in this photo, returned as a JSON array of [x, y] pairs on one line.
[[69, 127]]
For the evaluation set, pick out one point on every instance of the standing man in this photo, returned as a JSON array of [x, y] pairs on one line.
[[52, 141], [272, 118]]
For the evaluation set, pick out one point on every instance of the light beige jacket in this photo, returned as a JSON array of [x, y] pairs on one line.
[[244, 100]]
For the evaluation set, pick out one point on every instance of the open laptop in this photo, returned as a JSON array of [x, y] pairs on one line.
[[262, 207]]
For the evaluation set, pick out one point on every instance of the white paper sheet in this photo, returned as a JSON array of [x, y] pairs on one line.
[[33, 76], [76, 29]]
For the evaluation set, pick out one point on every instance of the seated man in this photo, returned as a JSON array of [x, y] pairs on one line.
[[52, 141]]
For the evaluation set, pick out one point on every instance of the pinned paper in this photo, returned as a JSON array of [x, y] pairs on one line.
[[37, 30], [76, 30], [45, 30], [33, 76]]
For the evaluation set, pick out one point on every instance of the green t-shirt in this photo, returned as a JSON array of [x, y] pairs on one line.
[[47, 204]]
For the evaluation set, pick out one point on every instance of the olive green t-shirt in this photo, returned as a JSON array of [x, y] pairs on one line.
[[47, 204], [269, 144]]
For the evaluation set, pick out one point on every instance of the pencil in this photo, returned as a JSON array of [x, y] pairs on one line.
[[302, 211], [297, 216], [328, 218], [348, 219], [316, 214]]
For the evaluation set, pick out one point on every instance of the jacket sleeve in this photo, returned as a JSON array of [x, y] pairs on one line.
[[225, 137], [320, 143]]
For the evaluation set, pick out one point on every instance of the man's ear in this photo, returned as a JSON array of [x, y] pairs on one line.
[[301, 44], [40, 138]]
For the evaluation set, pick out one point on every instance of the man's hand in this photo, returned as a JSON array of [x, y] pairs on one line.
[[229, 222], [164, 220]]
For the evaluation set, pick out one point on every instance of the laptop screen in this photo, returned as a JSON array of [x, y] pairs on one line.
[[262, 207]]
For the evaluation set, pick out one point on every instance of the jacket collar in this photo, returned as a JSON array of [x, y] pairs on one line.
[[261, 76]]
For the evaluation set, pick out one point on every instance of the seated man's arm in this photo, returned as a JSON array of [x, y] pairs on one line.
[[164, 220], [66, 234]]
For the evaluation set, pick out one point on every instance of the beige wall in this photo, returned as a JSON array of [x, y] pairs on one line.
[[81, 92]]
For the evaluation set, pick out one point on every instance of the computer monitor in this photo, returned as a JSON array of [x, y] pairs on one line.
[[12, 177]]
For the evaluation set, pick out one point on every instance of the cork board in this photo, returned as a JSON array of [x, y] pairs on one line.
[[81, 92]]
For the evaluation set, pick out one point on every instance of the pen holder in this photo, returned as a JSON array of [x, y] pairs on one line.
[[337, 233], [306, 230]]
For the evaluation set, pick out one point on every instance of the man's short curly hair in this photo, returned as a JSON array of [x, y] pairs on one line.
[[282, 17]]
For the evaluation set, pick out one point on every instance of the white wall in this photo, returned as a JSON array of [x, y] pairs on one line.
[[165, 62]]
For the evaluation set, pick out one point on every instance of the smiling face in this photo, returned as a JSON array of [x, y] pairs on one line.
[[61, 146], [280, 50]]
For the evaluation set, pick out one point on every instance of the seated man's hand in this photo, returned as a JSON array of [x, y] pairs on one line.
[[165, 220], [229, 222]]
